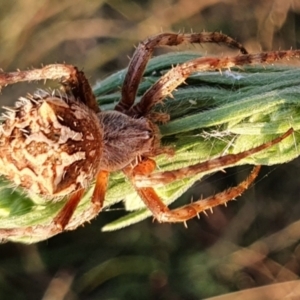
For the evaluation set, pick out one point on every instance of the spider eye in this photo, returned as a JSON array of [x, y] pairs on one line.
[[51, 145]]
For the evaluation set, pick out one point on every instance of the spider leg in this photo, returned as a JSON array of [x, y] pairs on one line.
[[177, 75], [64, 216], [45, 231], [63, 220], [73, 80], [97, 202], [145, 50], [163, 214], [162, 178]]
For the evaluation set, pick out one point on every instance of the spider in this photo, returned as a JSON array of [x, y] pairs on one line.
[[56, 143]]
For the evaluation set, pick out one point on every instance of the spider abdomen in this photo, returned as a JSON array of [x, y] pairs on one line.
[[50, 145]]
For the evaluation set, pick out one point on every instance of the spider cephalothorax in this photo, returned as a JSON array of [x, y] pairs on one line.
[[56, 144]]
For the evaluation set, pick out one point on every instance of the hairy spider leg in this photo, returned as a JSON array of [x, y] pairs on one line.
[[64, 216], [145, 166], [163, 214], [92, 211], [53, 72], [178, 74], [73, 80], [63, 220], [145, 50], [165, 177], [66, 213]]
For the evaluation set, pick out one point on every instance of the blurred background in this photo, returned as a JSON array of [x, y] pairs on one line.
[[252, 243]]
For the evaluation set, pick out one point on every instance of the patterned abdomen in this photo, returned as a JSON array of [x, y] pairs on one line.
[[50, 145]]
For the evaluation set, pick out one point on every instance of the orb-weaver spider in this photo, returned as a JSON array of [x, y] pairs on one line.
[[55, 144]]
